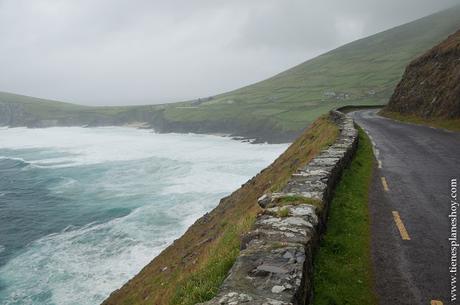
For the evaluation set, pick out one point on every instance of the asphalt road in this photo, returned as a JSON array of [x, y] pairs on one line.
[[409, 209]]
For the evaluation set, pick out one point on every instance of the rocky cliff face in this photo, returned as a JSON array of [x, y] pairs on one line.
[[10, 114], [16, 114], [430, 86], [257, 130]]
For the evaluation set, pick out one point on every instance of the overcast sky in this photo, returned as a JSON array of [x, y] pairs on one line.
[[108, 52]]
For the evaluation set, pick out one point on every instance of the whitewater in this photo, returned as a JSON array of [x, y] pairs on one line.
[[82, 210]]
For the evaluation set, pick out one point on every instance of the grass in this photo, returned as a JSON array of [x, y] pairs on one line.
[[449, 124], [296, 200], [363, 72], [199, 260], [283, 212], [343, 270], [203, 284], [36, 109]]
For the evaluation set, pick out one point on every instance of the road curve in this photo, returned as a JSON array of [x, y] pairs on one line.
[[409, 206]]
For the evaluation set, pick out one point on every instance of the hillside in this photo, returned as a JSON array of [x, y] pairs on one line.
[[365, 71], [19, 110], [430, 87], [192, 268], [362, 72]]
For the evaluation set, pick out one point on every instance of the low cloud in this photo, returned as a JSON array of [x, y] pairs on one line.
[[104, 52]]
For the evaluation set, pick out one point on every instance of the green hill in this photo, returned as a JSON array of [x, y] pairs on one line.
[[365, 71], [19, 110], [362, 72]]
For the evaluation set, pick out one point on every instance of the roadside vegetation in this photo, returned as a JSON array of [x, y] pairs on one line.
[[192, 269], [203, 284], [343, 269], [449, 124]]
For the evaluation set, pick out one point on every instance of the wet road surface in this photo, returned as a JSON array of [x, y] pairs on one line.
[[410, 206]]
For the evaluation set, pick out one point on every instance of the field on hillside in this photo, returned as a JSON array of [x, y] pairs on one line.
[[363, 72]]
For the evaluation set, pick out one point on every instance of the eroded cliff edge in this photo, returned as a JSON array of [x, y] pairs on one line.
[[279, 231], [193, 267], [275, 266], [430, 86]]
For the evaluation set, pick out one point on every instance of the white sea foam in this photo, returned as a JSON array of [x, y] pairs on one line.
[[81, 266], [13, 158], [104, 144], [166, 181]]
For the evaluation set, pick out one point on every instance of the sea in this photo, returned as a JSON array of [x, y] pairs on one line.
[[82, 210]]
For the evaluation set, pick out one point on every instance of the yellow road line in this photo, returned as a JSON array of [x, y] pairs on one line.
[[401, 227], [380, 163], [434, 302], [385, 184]]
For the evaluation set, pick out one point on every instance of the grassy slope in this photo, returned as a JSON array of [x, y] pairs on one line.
[[343, 272], [449, 124], [296, 96], [42, 109], [367, 70], [199, 260]]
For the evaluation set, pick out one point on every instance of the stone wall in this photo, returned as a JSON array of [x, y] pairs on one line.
[[276, 259]]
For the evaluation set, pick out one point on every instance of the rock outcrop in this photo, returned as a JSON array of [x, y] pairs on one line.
[[276, 261], [430, 86], [11, 113]]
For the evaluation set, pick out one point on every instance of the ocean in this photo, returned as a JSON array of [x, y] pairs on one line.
[[82, 210]]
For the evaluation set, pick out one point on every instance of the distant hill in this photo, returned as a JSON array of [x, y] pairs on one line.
[[19, 110], [430, 87], [365, 71]]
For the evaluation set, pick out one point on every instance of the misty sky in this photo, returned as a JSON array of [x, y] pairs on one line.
[[108, 52]]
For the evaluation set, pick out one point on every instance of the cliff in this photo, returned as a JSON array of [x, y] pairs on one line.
[[363, 72], [275, 265], [430, 86], [193, 267], [24, 111]]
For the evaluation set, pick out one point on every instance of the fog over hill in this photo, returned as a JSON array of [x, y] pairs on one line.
[[365, 71], [118, 52]]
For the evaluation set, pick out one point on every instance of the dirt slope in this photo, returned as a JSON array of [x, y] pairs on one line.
[[430, 87]]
